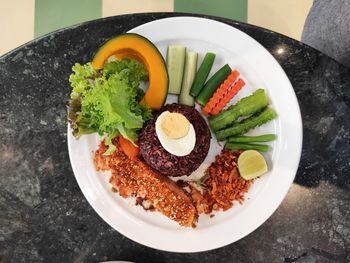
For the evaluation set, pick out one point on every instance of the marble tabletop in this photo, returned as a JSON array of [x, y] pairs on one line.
[[45, 217]]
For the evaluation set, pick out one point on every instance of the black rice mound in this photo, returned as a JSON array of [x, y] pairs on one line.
[[166, 163]]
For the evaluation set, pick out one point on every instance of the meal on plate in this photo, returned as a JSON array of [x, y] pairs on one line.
[[152, 147]]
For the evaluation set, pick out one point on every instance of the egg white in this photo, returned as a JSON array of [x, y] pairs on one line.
[[179, 147]]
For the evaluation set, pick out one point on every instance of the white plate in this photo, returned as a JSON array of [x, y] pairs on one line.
[[259, 69]]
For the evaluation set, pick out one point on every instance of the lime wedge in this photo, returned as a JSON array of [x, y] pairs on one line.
[[251, 164]]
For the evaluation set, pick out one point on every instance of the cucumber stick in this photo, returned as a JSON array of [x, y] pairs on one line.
[[189, 74], [175, 61], [212, 84], [202, 74]]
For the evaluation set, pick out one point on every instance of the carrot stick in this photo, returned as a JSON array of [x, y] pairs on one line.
[[226, 99], [128, 148], [220, 92], [206, 110]]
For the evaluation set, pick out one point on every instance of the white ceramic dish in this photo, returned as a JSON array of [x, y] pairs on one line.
[[259, 69]]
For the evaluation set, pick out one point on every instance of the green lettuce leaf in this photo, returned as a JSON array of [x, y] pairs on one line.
[[107, 101], [129, 69], [82, 78]]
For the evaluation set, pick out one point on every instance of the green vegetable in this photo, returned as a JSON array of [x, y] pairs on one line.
[[245, 107], [80, 80], [175, 61], [189, 74], [202, 74], [212, 84], [249, 123], [128, 69], [260, 138], [246, 146], [107, 101]]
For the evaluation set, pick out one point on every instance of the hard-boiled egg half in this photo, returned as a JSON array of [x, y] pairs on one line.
[[175, 133]]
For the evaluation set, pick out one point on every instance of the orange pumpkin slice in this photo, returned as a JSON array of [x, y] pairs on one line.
[[140, 48]]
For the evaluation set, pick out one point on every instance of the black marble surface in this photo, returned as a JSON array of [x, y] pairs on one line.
[[45, 218]]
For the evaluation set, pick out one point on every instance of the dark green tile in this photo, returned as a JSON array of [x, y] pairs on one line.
[[234, 9], [54, 14]]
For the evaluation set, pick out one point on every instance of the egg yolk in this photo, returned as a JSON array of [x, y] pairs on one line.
[[175, 125]]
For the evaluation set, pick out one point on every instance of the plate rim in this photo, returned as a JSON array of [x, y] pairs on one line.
[[283, 195]]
